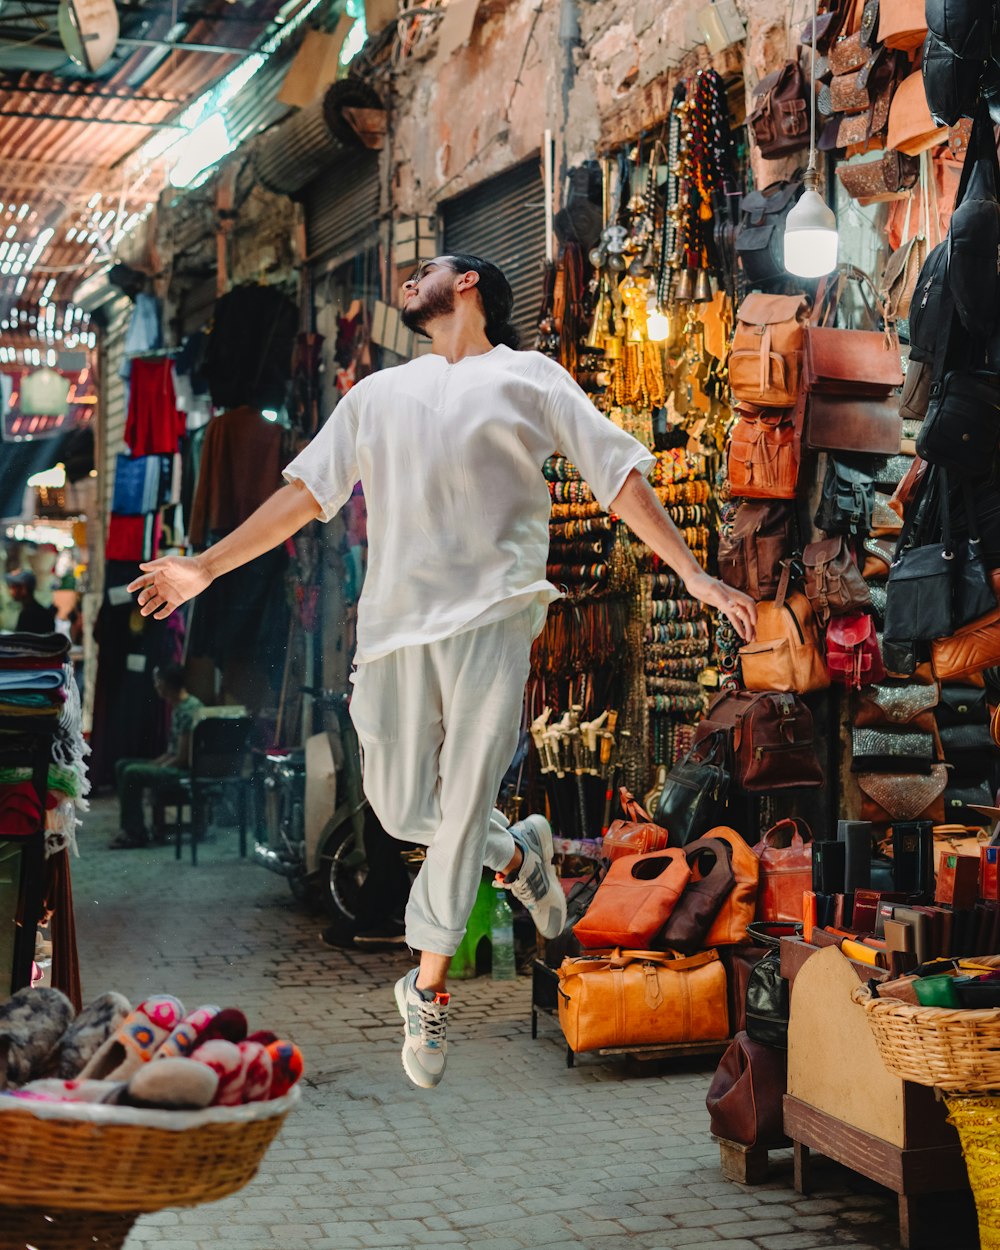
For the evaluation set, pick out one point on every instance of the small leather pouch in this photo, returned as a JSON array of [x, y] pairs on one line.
[[889, 177], [962, 705], [898, 706], [887, 797], [892, 751]]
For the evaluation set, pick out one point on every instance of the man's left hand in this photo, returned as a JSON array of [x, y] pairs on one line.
[[736, 606]]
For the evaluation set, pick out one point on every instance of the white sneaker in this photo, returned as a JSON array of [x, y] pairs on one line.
[[425, 1031], [537, 885]]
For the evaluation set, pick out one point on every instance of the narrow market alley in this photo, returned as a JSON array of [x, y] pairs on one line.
[[513, 1150]]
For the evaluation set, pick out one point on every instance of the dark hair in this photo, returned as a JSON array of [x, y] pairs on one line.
[[495, 294], [172, 675]]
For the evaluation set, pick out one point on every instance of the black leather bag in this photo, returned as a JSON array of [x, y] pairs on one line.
[[965, 739], [767, 989], [961, 705], [694, 794], [919, 599], [760, 236], [972, 591], [930, 305], [965, 26], [974, 230], [712, 881], [958, 801], [962, 427], [847, 499], [951, 83]]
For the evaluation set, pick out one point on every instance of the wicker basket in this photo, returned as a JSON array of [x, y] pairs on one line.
[[65, 1157], [977, 1121], [947, 1048]]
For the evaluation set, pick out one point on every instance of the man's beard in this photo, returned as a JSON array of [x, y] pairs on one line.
[[439, 304]]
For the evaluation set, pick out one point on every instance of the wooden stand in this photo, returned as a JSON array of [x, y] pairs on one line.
[[746, 1165], [843, 1102]]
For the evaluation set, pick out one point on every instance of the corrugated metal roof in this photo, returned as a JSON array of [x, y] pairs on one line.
[[65, 142]]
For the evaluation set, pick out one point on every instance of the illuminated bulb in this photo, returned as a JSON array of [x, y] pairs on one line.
[[657, 326], [811, 241]]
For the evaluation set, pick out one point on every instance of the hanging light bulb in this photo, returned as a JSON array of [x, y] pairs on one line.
[[811, 242], [657, 326]]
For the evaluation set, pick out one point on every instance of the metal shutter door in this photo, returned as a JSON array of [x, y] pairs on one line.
[[342, 209], [503, 220]]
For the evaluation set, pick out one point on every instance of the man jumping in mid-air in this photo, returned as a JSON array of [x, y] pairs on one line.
[[449, 450]]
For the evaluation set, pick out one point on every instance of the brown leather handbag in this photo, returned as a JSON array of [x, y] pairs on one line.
[[888, 177], [849, 362], [634, 901], [770, 738], [856, 423], [745, 1097], [764, 450], [833, 582], [779, 120], [766, 360], [713, 879], [911, 128], [787, 651], [971, 649], [750, 554], [729, 927], [785, 856], [642, 998], [637, 834]]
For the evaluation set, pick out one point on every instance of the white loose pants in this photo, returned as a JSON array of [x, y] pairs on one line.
[[438, 727]]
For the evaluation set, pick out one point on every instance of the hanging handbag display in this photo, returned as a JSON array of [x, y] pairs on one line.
[[765, 363], [744, 1100], [851, 423], [890, 797], [962, 427], [962, 705], [849, 362], [866, 95], [898, 280], [636, 834], [637, 998], [847, 499], [751, 552], [852, 653], [713, 879], [884, 750], [634, 900], [833, 582], [770, 739], [786, 653], [911, 128], [785, 855], [763, 460], [760, 235], [779, 120], [694, 793]]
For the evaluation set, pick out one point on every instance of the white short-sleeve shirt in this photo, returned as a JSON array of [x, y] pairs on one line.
[[449, 457]]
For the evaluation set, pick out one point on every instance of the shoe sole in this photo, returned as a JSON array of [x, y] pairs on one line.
[[548, 854], [416, 1077]]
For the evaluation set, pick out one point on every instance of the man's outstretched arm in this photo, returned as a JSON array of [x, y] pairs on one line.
[[167, 583]]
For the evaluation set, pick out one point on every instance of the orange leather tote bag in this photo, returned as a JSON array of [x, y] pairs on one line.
[[634, 901], [642, 998], [785, 856], [739, 909], [636, 834]]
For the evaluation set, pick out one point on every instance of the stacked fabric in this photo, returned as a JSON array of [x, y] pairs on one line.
[[38, 695]]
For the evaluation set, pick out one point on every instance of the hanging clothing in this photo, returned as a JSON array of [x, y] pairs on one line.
[[241, 461], [145, 330], [450, 458], [249, 354], [133, 538], [154, 426]]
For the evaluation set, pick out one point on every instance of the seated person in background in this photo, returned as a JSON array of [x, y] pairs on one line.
[[34, 617], [135, 776]]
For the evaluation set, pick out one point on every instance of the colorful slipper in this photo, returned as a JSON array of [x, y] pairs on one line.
[[188, 1033], [229, 1064], [259, 1072], [230, 1025], [174, 1084], [98, 1021], [286, 1067], [55, 1090], [137, 1041]]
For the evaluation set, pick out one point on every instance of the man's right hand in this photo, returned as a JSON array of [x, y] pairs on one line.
[[167, 583]]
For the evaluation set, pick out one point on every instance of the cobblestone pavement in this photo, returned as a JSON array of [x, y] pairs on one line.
[[513, 1150]]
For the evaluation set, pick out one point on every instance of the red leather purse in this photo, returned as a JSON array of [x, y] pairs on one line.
[[785, 854], [852, 653], [636, 834]]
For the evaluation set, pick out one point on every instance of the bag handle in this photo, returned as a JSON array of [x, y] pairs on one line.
[[927, 494], [621, 958], [801, 833], [633, 809], [829, 295], [770, 932]]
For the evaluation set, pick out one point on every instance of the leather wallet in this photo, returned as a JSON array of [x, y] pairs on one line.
[[856, 836], [865, 910], [899, 940], [921, 930], [913, 857], [957, 880]]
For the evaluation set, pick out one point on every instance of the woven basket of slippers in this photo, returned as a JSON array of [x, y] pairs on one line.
[[70, 1172]]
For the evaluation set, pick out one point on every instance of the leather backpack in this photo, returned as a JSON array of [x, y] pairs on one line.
[[751, 553], [852, 654], [787, 652], [770, 737], [764, 452], [951, 83], [847, 500], [779, 120], [765, 364], [760, 236], [833, 582]]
